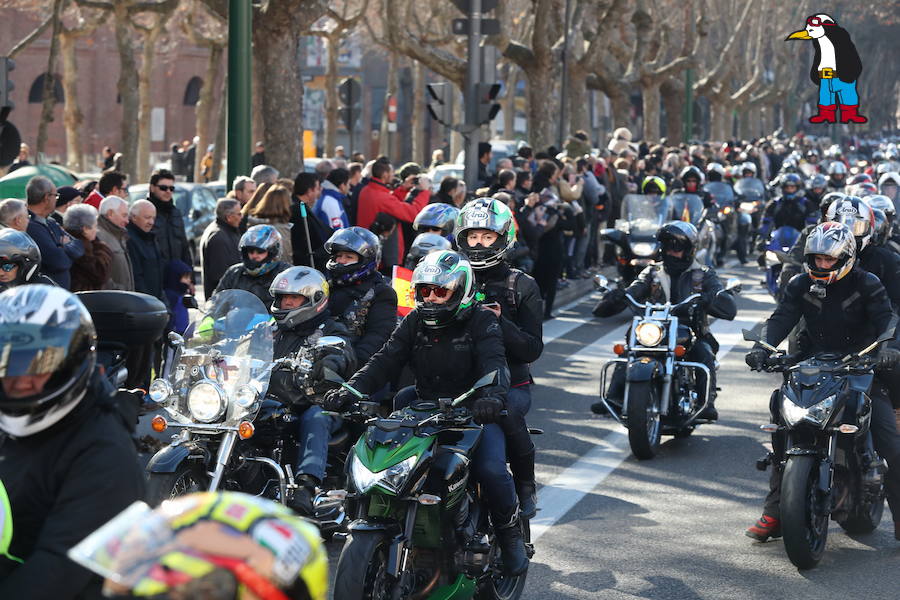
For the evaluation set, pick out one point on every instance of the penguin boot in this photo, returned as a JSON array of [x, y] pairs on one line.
[[827, 114], [849, 114]]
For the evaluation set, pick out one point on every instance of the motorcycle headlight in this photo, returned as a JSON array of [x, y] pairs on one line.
[[643, 249], [160, 391], [817, 414], [748, 207], [245, 396], [391, 479], [649, 333], [205, 402]]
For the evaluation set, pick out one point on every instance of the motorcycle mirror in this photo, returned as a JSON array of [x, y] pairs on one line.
[[333, 377], [330, 341], [189, 301], [175, 339], [484, 381], [755, 337], [733, 284], [601, 283]]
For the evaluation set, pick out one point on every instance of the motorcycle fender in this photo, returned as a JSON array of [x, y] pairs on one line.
[[167, 459], [643, 369], [803, 452], [386, 528]]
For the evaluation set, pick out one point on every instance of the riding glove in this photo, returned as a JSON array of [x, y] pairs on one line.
[[487, 410], [756, 359]]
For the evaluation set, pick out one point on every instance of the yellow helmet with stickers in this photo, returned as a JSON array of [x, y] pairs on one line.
[[216, 545]]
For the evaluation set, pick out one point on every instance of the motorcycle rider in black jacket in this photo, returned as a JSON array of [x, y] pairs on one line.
[[20, 259], [844, 309], [67, 460], [485, 231], [673, 279], [259, 248]]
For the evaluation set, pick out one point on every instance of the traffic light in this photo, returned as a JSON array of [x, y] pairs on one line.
[[487, 108], [6, 85], [439, 102]]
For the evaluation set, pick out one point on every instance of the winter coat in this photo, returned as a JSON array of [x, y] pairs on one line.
[[368, 309], [329, 208], [318, 235], [219, 249], [56, 257], [146, 261], [91, 270], [175, 291], [121, 274], [376, 198], [170, 233]]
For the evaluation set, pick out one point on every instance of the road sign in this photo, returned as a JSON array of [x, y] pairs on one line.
[[439, 102], [486, 5], [392, 109], [488, 27], [349, 91]]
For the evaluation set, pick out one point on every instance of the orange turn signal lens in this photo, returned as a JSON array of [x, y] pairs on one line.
[[680, 350], [246, 430], [619, 349], [158, 424]]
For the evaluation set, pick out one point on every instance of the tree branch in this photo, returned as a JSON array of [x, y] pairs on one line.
[[31, 37]]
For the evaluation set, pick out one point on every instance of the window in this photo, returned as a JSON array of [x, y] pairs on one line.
[[192, 91], [36, 93]]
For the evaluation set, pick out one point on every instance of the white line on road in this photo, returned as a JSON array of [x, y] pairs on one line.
[[560, 326]]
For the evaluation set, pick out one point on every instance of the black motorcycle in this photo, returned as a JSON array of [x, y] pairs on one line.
[[689, 208], [729, 228], [751, 196], [634, 235], [830, 465]]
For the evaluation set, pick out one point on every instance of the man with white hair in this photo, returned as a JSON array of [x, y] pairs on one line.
[[14, 214], [111, 231], [264, 174], [146, 260]]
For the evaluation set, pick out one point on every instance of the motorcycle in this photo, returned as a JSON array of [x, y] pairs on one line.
[[421, 527], [634, 235], [726, 221], [751, 195], [776, 253], [689, 207], [830, 465], [232, 434], [661, 390]]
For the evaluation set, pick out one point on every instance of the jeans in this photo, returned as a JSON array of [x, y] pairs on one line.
[[312, 445], [519, 447], [581, 247], [834, 91]]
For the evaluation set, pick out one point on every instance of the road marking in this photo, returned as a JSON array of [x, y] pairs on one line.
[[602, 347], [560, 326]]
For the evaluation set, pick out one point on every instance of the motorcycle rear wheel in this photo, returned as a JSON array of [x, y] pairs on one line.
[[803, 525], [644, 428], [362, 568], [186, 479]]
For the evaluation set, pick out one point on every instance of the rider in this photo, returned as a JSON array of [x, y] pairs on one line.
[[20, 260], [837, 176], [211, 545], [653, 185], [887, 206], [259, 248], [437, 218], [485, 230], [449, 342], [361, 298], [300, 309], [889, 185], [715, 172], [424, 244], [673, 279], [67, 460], [816, 187], [791, 209], [843, 308], [692, 181]]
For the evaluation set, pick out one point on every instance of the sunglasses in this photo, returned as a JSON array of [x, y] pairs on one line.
[[8, 266], [816, 22], [166, 188], [426, 291]]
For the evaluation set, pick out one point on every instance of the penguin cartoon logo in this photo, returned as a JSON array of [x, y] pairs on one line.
[[835, 68]]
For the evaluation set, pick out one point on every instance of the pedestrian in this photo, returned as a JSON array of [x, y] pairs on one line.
[[264, 174], [111, 183], [323, 168], [14, 214], [176, 285], [306, 192], [357, 182], [111, 230], [437, 159], [259, 155], [190, 157], [58, 250], [146, 259], [176, 160], [21, 159], [168, 227], [485, 177], [274, 209], [66, 196], [244, 188], [329, 207], [219, 244], [91, 270], [108, 159], [206, 164]]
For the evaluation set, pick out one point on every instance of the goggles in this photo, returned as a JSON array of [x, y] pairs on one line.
[[6, 267], [817, 22], [426, 291]]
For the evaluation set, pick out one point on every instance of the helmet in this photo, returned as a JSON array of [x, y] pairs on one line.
[[425, 243], [749, 166], [790, 179], [214, 545], [882, 168], [438, 216], [860, 178], [46, 331], [837, 168], [834, 240], [679, 236], [361, 242], [864, 189], [715, 171], [451, 271], [853, 212], [19, 249], [653, 185], [492, 215], [877, 156], [691, 172], [889, 184], [263, 237], [817, 181], [882, 203], [300, 281], [827, 201], [883, 227], [812, 154]]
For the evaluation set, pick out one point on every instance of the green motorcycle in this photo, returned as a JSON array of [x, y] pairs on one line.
[[421, 527]]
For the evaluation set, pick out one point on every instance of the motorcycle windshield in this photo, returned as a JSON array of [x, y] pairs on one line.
[[644, 214], [750, 188], [230, 345], [686, 207], [721, 193]]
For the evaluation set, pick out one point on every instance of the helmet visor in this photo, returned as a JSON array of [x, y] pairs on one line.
[[483, 218], [33, 349], [856, 224]]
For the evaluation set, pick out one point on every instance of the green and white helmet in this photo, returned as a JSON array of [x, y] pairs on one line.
[[444, 274], [492, 215]]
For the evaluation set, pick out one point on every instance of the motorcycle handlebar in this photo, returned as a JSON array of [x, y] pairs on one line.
[[643, 306]]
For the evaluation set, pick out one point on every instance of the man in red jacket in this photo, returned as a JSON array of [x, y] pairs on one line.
[[377, 197], [111, 183]]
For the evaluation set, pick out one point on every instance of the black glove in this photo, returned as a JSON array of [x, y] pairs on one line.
[[487, 410], [888, 358], [337, 400], [756, 359], [334, 362]]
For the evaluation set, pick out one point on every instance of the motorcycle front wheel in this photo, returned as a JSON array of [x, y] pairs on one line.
[[186, 479], [362, 568], [644, 430], [804, 519]]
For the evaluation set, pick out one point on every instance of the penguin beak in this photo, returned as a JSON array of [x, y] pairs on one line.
[[799, 35]]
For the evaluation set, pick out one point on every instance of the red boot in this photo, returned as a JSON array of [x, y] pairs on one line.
[[827, 114], [764, 528], [849, 114]]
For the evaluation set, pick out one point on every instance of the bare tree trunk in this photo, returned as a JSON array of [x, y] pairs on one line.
[[542, 107], [206, 106], [331, 91], [49, 100], [415, 122], [72, 116], [148, 56], [673, 97], [577, 97], [621, 109], [718, 112], [128, 91], [456, 138], [221, 133], [258, 128], [384, 138], [651, 104], [509, 102]]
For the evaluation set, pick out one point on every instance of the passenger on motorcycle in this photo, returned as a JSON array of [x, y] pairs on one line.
[[673, 279], [424, 244], [259, 247], [437, 218], [844, 308], [837, 175], [361, 298], [300, 309], [485, 230], [20, 260], [449, 342], [67, 460]]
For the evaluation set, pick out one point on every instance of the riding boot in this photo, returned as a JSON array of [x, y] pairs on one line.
[[302, 500], [522, 468], [827, 114], [710, 411], [511, 542]]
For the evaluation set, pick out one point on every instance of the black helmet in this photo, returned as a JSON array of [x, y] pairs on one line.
[[361, 242], [46, 331], [691, 172], [790, 179], [827, 201], [436, 216], [262, 237], [492, 215], [299, 281], [424, 244], [19, 249], [860, 178], [679, 236], [853, 212], [444, 273]]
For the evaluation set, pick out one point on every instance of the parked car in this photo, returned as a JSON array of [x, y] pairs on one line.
[[219, 188], [197, 203], [499, 149], [449, 170]]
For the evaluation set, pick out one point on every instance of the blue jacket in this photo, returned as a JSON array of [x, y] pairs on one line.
[[56, 257], [329, 208]]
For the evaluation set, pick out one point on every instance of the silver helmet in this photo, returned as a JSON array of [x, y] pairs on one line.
[[299, 281]]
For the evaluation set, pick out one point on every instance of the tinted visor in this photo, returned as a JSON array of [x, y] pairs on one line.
[[32, 349]]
